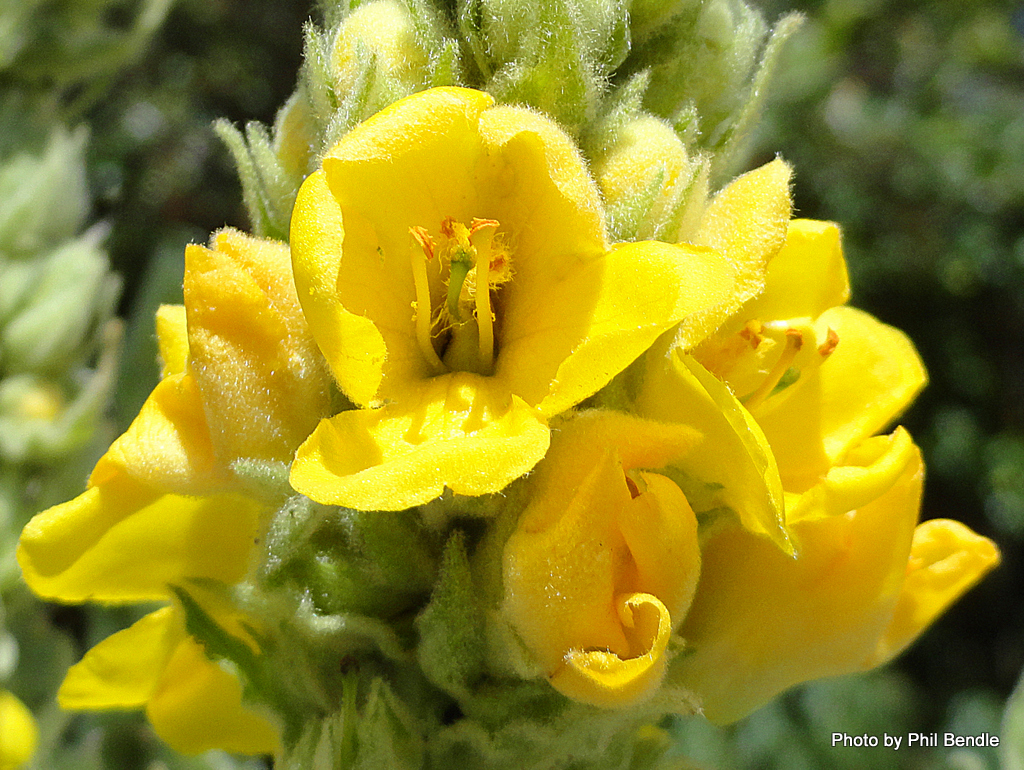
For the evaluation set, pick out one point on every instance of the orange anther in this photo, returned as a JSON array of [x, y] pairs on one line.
[[830, 343]]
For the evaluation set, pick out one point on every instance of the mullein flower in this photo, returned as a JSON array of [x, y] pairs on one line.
[[496, 301], [18, 732], [164, 506], [819, 380]]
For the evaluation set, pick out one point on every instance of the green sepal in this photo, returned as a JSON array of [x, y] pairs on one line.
[[387, 734], [452, 650]]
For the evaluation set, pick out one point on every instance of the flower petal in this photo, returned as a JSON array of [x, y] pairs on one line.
[[807, 277], [763, 621], [946, 559], [172, 338], [747, 222], [198, 707], [604, 561], [413, 164], [124, 670], [460, 431], [352, 345], [19, 735], [168, 443], [733, 466], [250, 350], [871, 376], [564, 341], [602, 678], [123, 542]]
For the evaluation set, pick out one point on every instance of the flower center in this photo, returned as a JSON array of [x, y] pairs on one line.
[[458, 334], [783, 373]]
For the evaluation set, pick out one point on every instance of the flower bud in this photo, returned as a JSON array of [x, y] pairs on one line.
[[652, 188], [379, 41], [65, 296], [43, 198]]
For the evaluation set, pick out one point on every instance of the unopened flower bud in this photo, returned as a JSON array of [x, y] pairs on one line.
[[379, 40], [653, 188]]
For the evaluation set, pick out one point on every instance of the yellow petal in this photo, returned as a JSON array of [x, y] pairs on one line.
[[604, 561], [867, 381], [168, 444], [352, 345], [946, 559], [538, 185], [564, 341], [763, 621], [121, 542], [733, 464], [413, 164], [602, 678], [124, 670], [807, 277], [747, 222], [18, 732], [198, 706], [251, 352], [172, 338], [460, 431]]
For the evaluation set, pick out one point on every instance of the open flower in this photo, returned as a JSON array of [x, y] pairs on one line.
[[816, 382], [242, 380], [452, 262]]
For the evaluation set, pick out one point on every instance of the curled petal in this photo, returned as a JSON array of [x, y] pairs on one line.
[[461, 431], [733, 466], [601, 677], [604, 561], [251, 352], [351, 343]]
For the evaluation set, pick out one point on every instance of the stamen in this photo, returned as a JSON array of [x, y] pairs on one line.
[[794, 341], [751, 332], [419, 260], [831, 342]]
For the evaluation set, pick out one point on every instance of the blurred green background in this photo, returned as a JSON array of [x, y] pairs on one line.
[[905, 122]]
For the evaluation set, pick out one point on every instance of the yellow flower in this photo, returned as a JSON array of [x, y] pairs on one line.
[[819, 380], [242, 380], [18, 732], [451, 259], [603, 563]]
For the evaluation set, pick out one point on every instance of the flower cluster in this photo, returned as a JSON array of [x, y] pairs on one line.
[[499, 466]]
